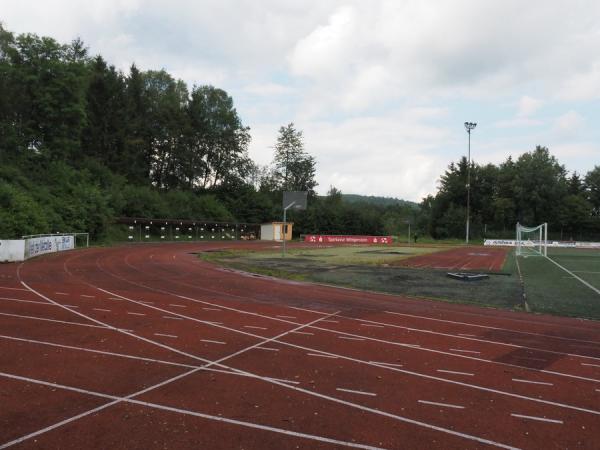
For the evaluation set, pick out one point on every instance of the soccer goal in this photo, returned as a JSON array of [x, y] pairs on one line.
[[532, 241]]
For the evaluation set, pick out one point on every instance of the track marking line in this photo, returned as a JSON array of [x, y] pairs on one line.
[[254, 327], [466, 335], [212, 309], [284, 381], [322, 355], [352, 391], [591, 365], [13, 289], [350, 338], [331, 321], [371, 325], [172, 317], [519, 380], [286, 317], [165, 335], [71, 306], [176, 305], [309, 310], [129, 399], [61, 293], [213, 323], [540, 419], [210, 341], [146, 302], [455, 373], [87, 296], [303, 332], [489, 327], [269, 349], [386, 363], [135, 314], [464, 351], [54, 320], [445, 405], [24, 301], [101, 309], [115, 298]]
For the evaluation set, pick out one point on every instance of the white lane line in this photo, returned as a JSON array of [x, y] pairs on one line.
[[331, 321], [519, 380], [352, 391], [255, 328], [187, 412], [464, 351], [283, 381], [172, 317], [445, 405], [165, 335], [13, 289], [54, 320], [412, 345], [455, 373], [210, 341], [214, 323], [212, 309], [286, 317], [371, 325], [386, 363], [101, 309], [267, 348], [178, 306], [540, 419], [61, 293], [350, 338], [310, 310], [115, 298], [135, 314], [591, 365], [147, 302], [303, 332], [25, 301], [87, 296], [322, 355], [466, 335], [71, 306]]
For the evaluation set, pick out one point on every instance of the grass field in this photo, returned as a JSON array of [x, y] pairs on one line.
[[372, 268], [551, 289]]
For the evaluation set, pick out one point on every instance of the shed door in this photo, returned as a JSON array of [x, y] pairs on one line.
[[277, 232]]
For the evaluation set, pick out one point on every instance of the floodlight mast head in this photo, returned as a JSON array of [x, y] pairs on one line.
[[470, 126]]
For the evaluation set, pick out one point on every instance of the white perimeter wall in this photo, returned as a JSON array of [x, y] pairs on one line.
[[567, 244], [22, 249]]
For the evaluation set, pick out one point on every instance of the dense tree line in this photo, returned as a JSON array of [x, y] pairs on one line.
[[532, 189]]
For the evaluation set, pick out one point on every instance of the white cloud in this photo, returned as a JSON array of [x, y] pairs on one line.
[[528, 106], [569, 122]]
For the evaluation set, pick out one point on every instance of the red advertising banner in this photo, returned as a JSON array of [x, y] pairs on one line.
[[329, 239]]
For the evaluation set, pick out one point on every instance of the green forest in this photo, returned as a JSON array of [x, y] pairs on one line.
[[82, 144]]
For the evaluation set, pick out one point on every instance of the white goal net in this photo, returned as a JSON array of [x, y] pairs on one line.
[[532, 241]]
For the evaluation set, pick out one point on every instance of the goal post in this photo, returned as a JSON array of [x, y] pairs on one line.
[[532, 241]]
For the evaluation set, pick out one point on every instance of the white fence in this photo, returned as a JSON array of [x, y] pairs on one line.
[[22, 249], [563, 244]]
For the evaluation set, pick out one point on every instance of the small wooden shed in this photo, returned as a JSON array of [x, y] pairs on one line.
[[273, 231]]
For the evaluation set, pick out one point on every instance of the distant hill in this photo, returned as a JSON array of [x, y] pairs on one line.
[[381, 201]]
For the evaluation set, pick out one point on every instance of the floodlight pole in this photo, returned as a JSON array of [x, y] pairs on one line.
[[284, 226], [469, 126]]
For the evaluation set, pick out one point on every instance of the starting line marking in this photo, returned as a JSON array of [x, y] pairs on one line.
[[136, 314], [541, 419], [467, 335], [286, 317], [16, 289], [61, 293], [212, 309], [386, 363], [352, 391], [101, 309], [303, 332], [371, 325], [331, 321], [210, 341], [87, 296], [464, 351], [252, 326], [519, 380], [25, 301], [456, 373], [267, 348], [165, 335], [350, 338], [446, 405]]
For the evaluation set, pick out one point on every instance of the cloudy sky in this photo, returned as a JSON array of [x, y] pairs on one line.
[[381, 89]]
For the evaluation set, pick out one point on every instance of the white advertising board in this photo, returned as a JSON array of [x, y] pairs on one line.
[[561, 244], [48, 244], [12, 250]]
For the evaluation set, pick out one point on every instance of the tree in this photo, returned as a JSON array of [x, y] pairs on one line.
[[293, 168], [592, 188]]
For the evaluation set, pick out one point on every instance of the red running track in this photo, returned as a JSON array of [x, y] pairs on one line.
[[149, 347], [462, 258]]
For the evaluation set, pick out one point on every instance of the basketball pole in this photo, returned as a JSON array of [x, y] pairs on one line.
[[284, 226]]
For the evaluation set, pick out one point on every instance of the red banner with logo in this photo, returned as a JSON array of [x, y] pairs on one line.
[[329, 239]]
